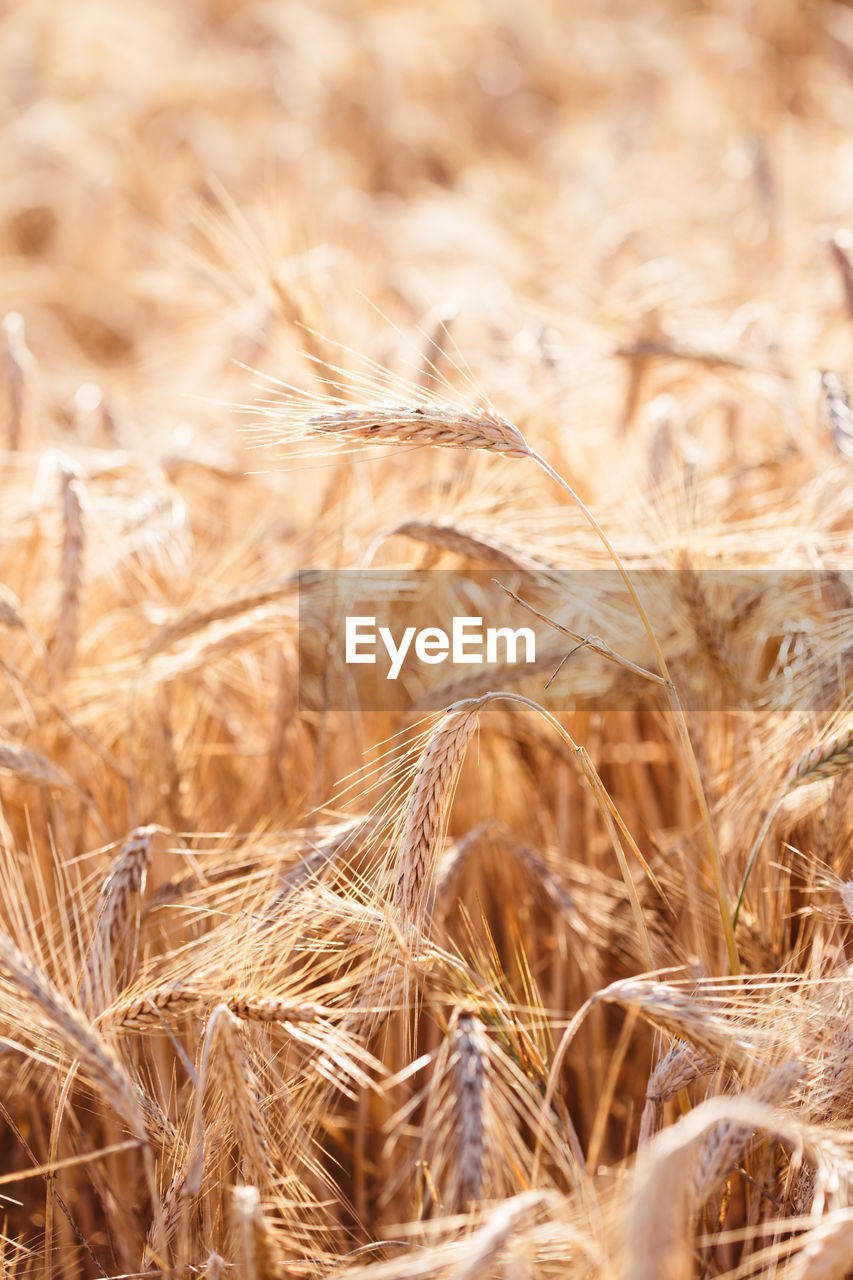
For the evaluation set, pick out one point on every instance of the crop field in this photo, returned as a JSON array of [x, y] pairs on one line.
[[540, 967]]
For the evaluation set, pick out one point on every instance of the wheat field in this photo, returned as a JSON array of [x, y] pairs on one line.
[[509, 985]]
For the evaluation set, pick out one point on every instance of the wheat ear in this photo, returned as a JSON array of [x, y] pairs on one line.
[[416, 846], [252, 1008], [830, 757], [31, 766], [74, 1033], [705, 624], [724, 1144], [73, 545], [17, 358], [153, 1007], [256, 1254], [195, 620], [466, 542], [469, 1067], [225, 1049], [837, 414], [421, 424], [840, 246], [118, 913], [676, 1070], [10, 610], [75, 1036]]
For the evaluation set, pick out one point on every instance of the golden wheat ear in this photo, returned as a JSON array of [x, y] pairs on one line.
[[421, 424], [118, 915], [73, 547], [256, 1252], [416, 842]]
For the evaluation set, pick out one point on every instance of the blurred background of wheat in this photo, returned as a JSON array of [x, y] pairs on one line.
[[626, 225]]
